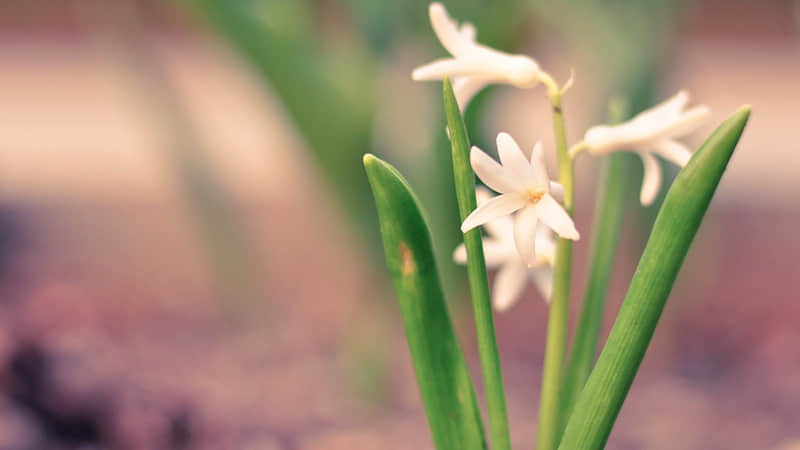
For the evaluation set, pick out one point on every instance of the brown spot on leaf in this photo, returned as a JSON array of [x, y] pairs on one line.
[[406, 260]]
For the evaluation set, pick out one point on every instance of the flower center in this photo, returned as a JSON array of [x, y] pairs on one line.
[[533, 195]]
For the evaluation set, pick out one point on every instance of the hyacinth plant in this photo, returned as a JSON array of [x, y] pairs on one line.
[[529, 236]]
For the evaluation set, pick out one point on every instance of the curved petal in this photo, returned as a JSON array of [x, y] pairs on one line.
[[674, 151], [538, 166], [467, 87], [652, 179], [492, 209], [525, 233], [687, 122], [543, 280], [454, 40], [674, 104], [513, 159], [554, 216], [502, 228], [491, 172], [508, 285]]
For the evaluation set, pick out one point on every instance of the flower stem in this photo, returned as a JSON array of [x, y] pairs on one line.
[[478, 279], [610, 209], [552, 375]]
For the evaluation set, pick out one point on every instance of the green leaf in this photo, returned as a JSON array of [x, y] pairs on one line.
[[675, 227], [476, 272], [442, 375]]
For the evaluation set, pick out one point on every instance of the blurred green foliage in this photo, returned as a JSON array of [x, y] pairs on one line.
[[322, 60]]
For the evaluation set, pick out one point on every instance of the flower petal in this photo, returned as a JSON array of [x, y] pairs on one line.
[[508, 285], [557, 190], [436, 70], [672, 105], [687, 122], [496, 253], [674, 151], [554, 216], [538, 166], [502, 228], [492, 209], [468, 31], [460, 254], [543, 280], [545, 247], [456, 41], [603, 139], [491, 172], [513, 159], [652, 179], [467, 87], [525, 233]]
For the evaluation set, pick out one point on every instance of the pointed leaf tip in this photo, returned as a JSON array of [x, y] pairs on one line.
[[442, 375], [368, 159]]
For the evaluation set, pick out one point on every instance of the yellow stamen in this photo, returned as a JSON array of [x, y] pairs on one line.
[[533, 196]]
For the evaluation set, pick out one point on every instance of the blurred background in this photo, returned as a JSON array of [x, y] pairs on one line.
[[189, 253]]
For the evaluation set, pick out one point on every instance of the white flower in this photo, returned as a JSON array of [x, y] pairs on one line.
[[500, 252], [651, 132], [525, 189], [473, 66]]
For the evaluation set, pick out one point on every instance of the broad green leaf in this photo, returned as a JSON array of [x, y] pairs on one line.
[[476, 271], [676, 225], [442, 375]]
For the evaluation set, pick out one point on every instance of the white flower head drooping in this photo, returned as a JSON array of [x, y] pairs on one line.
[[501, 253], [525, 189], [651, 132], [473, 66]]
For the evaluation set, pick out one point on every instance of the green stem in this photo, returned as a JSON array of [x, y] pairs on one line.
[[606, 228], [478, 279], [612, 191], [552, 375]]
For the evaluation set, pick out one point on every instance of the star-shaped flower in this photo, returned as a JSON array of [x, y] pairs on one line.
[[473, 66], [500, 252], [525, 189], [651, 132]]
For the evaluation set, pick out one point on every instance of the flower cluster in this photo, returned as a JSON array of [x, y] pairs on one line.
[[523, 247]]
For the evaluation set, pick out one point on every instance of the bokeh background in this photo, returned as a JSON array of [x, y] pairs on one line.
[[189, 256]]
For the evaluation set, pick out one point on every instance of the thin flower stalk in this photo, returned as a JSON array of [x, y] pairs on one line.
[[478, 279], [555, 348]]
